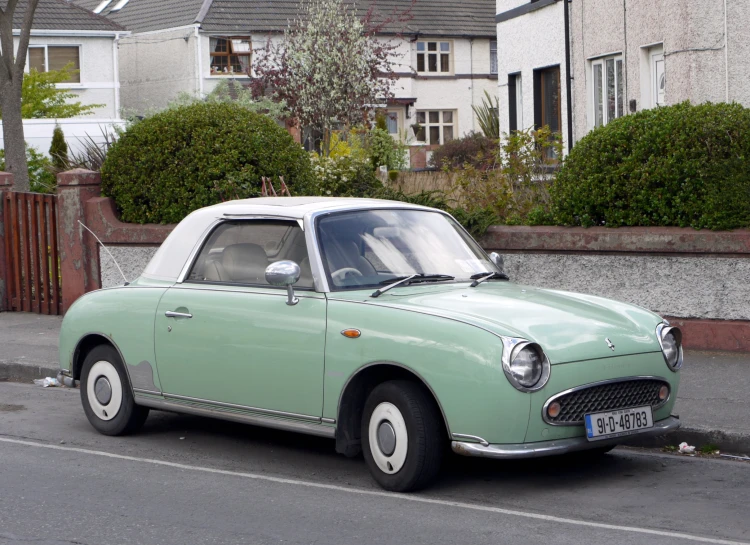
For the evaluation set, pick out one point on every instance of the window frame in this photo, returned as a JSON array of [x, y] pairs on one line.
[[494, 66], [438, 52], [65, 84], [228, 55], [620, 92], [193, 261], [441, 124], [515, 101]]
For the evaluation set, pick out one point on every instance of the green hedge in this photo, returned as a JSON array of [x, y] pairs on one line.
[[182, 159], [682, 165]]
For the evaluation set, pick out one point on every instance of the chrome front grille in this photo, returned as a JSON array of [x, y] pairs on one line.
[[605, 396]]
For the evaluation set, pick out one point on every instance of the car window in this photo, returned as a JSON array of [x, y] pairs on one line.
[[371, 247], [239, 252]]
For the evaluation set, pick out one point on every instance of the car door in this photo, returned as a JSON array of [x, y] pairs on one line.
[[231, 337]]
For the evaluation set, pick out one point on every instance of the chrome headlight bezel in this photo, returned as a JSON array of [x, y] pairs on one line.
[[662, 330], [511, 348]]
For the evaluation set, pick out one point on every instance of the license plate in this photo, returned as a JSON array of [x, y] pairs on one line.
[[618, 423]]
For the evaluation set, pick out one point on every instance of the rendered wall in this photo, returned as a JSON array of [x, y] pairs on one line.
[[38, 132]]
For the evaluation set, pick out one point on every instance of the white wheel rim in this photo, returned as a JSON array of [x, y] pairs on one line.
[[387, 414], [103, 370]]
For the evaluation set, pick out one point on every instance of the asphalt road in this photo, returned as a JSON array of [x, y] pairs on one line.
[[187, 480]]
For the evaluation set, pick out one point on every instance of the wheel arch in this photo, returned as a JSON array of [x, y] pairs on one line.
[[354, 394], [85, 345]]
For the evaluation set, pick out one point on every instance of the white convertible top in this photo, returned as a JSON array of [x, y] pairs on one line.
[[170, 259]]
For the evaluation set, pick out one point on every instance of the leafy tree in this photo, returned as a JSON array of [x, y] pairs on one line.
[[11, 83], [41, 98], [329, 67], [59, 149]]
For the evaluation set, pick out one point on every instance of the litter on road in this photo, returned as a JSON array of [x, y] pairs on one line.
[[686, 449], [47, 382]]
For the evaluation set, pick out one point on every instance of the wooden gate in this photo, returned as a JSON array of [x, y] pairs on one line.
[[33, 282]]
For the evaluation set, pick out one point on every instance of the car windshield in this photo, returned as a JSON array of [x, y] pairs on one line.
[[371, 248]]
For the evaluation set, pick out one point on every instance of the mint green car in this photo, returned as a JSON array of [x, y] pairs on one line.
[[379, 324]]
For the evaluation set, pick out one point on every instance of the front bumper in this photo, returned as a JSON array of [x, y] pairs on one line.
[[559, 446]]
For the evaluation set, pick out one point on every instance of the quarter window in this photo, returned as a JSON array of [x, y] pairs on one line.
[[240, 252], [608, 89], [231, 56], [436, 127], [46, 58], [434, 57]]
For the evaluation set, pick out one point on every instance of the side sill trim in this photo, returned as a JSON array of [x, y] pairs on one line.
[[309, 428], [560, 446], [232, 406]]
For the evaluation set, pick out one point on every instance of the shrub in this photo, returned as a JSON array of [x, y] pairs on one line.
[[344, 176], [59, 149], [385, 150], [680, 165], [474, 149], [182, 159], [41, 177]]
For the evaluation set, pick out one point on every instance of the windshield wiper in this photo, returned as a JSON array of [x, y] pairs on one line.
[[399, 280], [483, 277]]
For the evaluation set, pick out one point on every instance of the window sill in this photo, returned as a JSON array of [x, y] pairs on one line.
[[228, 76]]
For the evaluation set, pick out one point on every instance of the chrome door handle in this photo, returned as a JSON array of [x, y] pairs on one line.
[[172, 314]]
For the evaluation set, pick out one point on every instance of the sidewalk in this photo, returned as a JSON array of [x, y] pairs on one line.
[[713, 402]]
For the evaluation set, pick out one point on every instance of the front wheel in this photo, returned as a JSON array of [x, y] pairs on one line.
[[402, 436], [106, 395]]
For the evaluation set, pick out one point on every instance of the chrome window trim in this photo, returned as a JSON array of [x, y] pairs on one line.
[[661, 330], [511, 347], [602, 383]]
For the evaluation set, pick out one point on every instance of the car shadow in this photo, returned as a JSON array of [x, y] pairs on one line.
[[289, 451]]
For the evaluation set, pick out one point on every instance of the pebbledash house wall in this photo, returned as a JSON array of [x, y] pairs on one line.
[[706, 50], [699, 280]]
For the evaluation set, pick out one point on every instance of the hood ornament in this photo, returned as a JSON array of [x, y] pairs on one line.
[[609, 343]]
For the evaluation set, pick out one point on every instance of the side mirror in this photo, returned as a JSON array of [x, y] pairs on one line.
[[497, 259], [284, 274]]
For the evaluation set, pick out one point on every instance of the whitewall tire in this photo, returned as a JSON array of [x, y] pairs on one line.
[[106, 395]]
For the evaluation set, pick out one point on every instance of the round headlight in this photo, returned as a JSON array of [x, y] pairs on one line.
[[526, 366], [670, 339]]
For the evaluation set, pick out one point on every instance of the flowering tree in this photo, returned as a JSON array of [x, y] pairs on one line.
[[330, 68]]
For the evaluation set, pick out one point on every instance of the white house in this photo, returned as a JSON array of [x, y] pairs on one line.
[[446, 58], [65, 34], [577, 65], [533, 72]]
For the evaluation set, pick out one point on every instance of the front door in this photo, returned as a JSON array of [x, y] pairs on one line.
[[231, 338]]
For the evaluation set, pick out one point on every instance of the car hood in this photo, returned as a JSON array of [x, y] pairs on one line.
[[569, 326]]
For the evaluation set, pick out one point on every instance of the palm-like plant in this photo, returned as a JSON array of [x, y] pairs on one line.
[[488, 115]]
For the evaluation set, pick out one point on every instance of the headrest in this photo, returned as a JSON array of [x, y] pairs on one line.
[[244, 261]]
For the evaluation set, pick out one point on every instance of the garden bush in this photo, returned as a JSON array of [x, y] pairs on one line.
[[41, 176], [344, 176], [680, 165], [474, 149], [181, 159]]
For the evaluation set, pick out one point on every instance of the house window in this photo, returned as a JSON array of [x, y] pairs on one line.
[[609, 89], [515, 102], [434, 57], [46, 58], [392, 121], [493, 57], [230, 56], [658, 78], [436, 127], [547, 110]]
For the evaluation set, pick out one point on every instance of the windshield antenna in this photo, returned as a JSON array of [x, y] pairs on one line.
[[107, 250]]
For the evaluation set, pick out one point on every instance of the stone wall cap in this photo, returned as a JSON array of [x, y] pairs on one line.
[[79, 177], [648, 240]]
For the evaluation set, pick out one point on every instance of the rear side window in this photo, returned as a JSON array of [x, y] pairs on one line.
[[239, 252]]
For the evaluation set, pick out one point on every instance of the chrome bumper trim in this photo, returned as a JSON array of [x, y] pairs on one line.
[[560, 446]]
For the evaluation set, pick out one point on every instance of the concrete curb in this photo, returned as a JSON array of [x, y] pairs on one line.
[[26, 372], [730, 442]]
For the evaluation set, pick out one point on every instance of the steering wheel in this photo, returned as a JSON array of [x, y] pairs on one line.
[[341, 275]]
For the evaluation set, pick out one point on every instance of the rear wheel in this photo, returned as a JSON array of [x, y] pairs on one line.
[[402, 436], [106, 395]]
